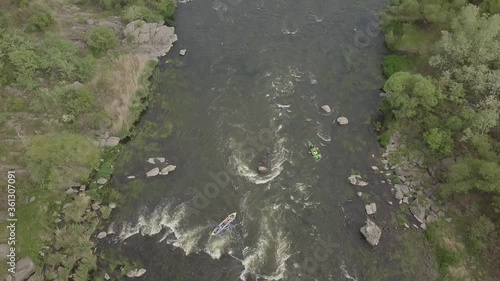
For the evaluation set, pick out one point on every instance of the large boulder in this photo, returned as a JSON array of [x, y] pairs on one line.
[[404, 171], [404, 188], [101, 235], [24, 269], [371, 232], [418, 212], [112, 141]]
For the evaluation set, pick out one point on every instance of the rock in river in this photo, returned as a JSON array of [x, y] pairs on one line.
[[153, 172], [356, 180], [167, 170], [371, 232], [342, 121], [101, 235], [371, 209], [326, 108]]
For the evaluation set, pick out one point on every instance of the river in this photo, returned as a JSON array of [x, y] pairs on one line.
[[247, 92]]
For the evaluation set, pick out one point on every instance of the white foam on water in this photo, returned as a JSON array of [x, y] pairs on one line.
[[257, 257], [217, 245], [283, 105], [324, 138], [242, 165]]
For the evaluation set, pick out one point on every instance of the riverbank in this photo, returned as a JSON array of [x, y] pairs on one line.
[[441, 100], [75, 80]]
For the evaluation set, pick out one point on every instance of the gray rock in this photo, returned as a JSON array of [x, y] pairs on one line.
[[359, 193], [418, 212], [112, 205], [140, 272], [167, 170], [153, 172], [262, 170], [448, 219], [406, 200], [432, 217], [112, 141], [371, 209], [82, 188], [151, 160], [4, 251], [371, 232], [399, 195], [70, 191], [404, 188], [161, 159], [101, 235], [106, 276], [32, 199], [95, 206], [102, 181], [182, 52], [441, 214], [403, 171], [423, 226], [24, 269], [375, 168], [342, 121], [131, 177], [356, 180], [406, 225], [326, 108], [435, 208], [57, 220]]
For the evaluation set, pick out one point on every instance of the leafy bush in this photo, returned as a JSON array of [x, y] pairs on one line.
[[40, 19], [19, 61], [479, 234], [102, 39], [439, 141], [140, 13], [61, 59], [80, 101], [53, 160], [397, 63]]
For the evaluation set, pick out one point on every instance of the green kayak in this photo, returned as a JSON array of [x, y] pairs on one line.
[[313, 150]]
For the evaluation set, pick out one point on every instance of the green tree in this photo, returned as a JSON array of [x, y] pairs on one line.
[[439, 141], [102, 39], [411, 94], [40, 19]]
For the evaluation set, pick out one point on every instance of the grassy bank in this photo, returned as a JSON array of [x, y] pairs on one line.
[[444, 98], [67, 83]]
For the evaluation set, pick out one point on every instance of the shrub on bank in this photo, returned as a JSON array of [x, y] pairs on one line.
[[40, 19], [101, 39], [397, 63]]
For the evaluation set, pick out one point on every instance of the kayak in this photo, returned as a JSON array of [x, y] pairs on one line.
[[314, 150], [223, 225]]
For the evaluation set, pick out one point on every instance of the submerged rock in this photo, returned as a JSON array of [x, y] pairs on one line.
[[371, 232], [262, 170], [326, 108], [342, 121]]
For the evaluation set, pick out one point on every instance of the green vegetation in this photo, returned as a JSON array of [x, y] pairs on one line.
[[444, 96], [54, 160], [101, 39], [60, 93]]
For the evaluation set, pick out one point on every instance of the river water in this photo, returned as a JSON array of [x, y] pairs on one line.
[[248, 92]]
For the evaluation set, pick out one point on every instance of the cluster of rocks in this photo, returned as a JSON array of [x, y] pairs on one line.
[[340, 120], [167, 168], [413, 176], [25, 267], [356, 180], [153, 39]]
